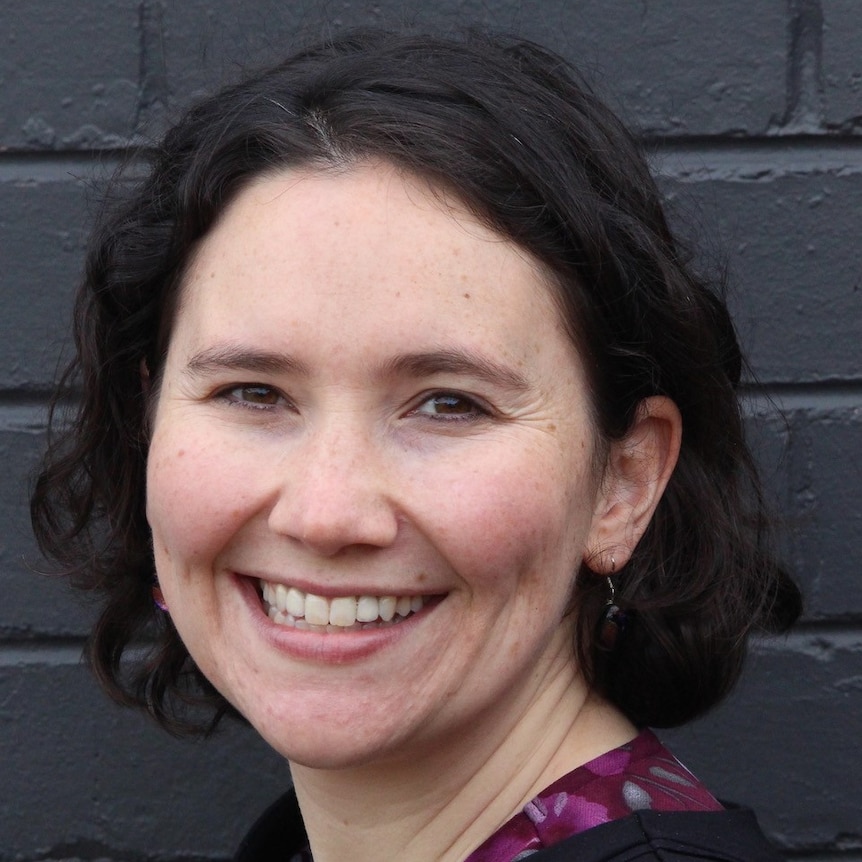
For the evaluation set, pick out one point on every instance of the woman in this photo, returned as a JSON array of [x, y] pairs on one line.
[[401, 402]]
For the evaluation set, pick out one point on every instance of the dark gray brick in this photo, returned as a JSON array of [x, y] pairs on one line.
[[842, 64], [732, 53], [80, 772], [811, 470], [768, 434], [68, 80], [42, 227], [785, 743], [120, 66], [34, 605], [791, 239], [825, 520]]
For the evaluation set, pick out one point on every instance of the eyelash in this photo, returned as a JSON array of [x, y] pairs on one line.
[[476, 410], [233, 395]]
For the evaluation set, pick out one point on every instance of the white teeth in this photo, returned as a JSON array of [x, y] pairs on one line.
[[387, 607], [342, 611], [290, 606], [367, 609], [295, 604], [281, 596], [316, 610]]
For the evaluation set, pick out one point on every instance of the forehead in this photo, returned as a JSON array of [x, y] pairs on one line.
[[318, 212], [368, 253]]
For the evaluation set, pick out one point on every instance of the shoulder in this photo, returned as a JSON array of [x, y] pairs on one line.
[[720, 836]]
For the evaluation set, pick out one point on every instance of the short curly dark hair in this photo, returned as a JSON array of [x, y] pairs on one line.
[[525, 144]]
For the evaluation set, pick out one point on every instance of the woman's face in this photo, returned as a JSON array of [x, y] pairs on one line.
[[371, 479]]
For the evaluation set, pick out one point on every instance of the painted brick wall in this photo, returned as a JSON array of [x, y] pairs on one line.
[[753, 109]]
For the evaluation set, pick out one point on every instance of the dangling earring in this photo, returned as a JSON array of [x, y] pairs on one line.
[[613, 621], [158, 598]]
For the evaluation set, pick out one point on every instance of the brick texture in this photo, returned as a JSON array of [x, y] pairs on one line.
[[842, 66], [85, 778], [777, 744], [41, 236], [68, 81], [36, 606], [752, 112], [789, 237], [733, 81]]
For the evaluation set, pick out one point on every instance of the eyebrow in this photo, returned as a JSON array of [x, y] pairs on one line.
[[461, 362], [228, 357]]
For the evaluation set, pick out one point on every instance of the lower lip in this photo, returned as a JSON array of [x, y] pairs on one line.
[[325, 647]]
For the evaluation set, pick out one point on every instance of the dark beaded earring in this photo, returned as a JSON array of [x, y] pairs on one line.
[[613, 621]]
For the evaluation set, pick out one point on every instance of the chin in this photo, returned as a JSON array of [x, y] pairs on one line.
[[321, 731], [331, 749]]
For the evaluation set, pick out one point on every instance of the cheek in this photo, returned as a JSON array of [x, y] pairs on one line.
[[514, 523], [195, 500]]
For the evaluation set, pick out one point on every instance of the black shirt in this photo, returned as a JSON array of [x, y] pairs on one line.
[[646, 836]]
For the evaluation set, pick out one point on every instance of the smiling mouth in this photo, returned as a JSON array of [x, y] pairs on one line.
[[293, 608]]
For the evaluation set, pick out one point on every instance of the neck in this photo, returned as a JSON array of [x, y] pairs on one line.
[[445, 799]]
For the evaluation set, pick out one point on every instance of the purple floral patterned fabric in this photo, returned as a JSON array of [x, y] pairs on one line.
[[641, 774]]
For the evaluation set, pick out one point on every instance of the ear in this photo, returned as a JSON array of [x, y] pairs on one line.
[[636, 473]]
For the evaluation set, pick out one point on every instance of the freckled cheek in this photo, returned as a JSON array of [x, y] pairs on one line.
[[502, 530], [195, 501]]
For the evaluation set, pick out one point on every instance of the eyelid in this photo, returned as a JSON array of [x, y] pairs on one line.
[[228, 395], [479, 409]]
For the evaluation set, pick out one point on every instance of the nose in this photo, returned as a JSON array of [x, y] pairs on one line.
[[334, 494]]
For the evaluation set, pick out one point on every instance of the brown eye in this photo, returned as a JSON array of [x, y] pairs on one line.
[[254, 396], [258, 394], [441, 405]]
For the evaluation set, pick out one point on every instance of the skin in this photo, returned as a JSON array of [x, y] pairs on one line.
[[312, 428]]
